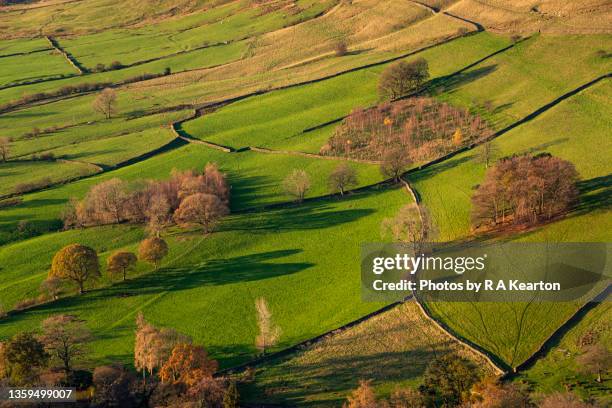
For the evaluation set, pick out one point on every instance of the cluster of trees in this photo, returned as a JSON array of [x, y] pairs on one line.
[[452, 381], [525, 189], [29, 358], [79, 265], [111, 67], [402, 78], [175, 372], [187, 198], [420, 128]]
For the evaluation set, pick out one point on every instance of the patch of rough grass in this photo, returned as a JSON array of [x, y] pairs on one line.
[[392, 349]]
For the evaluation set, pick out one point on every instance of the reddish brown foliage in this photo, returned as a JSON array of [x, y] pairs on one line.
[[422, 128], [115, 201], [188, 364], [525, 190], [202, 209]]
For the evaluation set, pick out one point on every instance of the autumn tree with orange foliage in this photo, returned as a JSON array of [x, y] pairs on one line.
[[153, 346], [188, 364]]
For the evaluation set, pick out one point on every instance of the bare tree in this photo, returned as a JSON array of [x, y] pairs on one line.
[[158, 214], [411, 225], [52, 287], [297, 184], [488, 153], [106, 103], [395, 162], [104, 203], [5, 148], [269, 333], [343, 177], [203, 209], [64, 337]]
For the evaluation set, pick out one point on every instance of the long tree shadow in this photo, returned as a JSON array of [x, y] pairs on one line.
[[209, 273], [247, 190], [595, 194], [417, 175], [450, 83], [318, 215], [336, 377]]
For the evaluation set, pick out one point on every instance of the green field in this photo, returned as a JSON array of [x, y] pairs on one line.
[[14, 173], [559, 366], [569, 130], [279, 78], [34, 67], [273, 253]]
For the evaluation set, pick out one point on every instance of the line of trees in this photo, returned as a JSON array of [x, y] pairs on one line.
[[187, 198], [420, 128], [80, 265], [452, 381], [525, 190]]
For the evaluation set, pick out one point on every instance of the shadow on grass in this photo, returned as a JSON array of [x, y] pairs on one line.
[[311, 216], [328, 381], [247, 190], [450, 83], [595, 194], [209, 273], [417, 175]]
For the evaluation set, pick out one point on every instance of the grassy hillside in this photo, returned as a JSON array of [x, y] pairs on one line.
[[392, 350], [569, 131], [279, 254], [296, 68], [559, 366]]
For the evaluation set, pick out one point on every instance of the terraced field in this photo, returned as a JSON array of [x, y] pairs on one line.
[[266, 80]]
